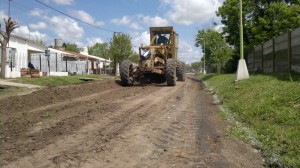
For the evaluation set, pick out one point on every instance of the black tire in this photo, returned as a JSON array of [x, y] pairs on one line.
[[126, 73], [181, 72], [171, 72]]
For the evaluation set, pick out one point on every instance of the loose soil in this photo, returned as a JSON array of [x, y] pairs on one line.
[[102, 124]]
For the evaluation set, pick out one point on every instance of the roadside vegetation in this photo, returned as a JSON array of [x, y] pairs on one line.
[[6, 91], [59, 80], [264, 111]]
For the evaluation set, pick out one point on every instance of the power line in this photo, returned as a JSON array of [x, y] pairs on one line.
[[75, 18], [21, 7]]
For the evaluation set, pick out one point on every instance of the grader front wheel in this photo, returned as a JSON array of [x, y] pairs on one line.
[[181, 72], [171, 72], [126, 73]]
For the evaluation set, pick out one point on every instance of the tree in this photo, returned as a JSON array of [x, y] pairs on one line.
[[101, 50], [71, 47], [262, 19], [217, 51], [196, 66], [9, 27], [134, 57], [120, 48]]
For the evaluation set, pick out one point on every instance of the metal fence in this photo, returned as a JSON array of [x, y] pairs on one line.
[[278, 55], [57, 63]]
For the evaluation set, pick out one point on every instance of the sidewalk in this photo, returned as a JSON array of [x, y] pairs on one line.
[[10, 83]]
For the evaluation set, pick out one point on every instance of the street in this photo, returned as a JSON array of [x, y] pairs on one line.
[[103, 124]]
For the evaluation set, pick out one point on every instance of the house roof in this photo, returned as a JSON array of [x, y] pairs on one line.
[[78, 55], [64, 54], [85, 56], [27, 40]]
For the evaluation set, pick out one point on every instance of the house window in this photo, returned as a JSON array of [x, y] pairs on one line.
[[11, 56]]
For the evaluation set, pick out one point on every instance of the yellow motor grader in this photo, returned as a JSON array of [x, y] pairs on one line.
[[158, 61]]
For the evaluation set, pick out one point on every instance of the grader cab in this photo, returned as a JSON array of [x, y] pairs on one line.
[[158, 61]]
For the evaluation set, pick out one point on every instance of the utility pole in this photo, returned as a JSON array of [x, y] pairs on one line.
[[242, 71], [204, 68], [9, 8]]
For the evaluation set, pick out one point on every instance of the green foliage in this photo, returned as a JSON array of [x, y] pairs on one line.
[[120, 47], [267, 107], [11, 90], [134, 57], [196, 66], [71, 47], [100, 50], [217, 51], [188, 67], [262, 19]]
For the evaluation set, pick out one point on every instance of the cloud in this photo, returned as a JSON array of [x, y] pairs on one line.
[[63, 2], [136, 26], [154, 21], [139, 38], [93, 40], [23, 31], [125, 20], [140, 20], [188, 12], [63, 27], [38, 12], [219, 28], [188, 53], [66, 29], [2, 15], [39, 25], [84, 16]]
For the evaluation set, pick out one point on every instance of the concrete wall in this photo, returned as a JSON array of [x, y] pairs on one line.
[[282, 53], [258, 58], [268, 56], [295, 50], [278, 55]]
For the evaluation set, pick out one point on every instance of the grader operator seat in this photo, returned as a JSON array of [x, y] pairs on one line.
[[162, 40]]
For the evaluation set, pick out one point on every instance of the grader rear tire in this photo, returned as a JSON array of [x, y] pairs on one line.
[[171, 72], [181, 72], [126, 73]]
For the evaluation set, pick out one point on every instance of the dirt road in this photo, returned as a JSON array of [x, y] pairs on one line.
[[103, 124]]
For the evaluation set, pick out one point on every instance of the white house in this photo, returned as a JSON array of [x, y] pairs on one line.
[[22, 51], [19, 53], [94, 62]]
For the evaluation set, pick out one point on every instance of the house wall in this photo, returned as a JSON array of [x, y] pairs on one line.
[[20, 59]]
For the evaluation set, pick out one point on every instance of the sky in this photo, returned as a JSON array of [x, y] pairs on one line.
[[133, 17]]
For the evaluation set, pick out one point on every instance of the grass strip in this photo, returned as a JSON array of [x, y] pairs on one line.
[[266, 109]]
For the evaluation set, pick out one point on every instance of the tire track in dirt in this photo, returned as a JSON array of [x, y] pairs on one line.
[[102, 131], [152, 126], [23, 135]]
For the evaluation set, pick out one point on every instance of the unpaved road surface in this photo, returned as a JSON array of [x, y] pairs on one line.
[[103, 124]]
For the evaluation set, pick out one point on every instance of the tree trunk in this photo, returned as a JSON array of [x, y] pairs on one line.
[[3, 59]]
